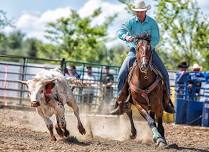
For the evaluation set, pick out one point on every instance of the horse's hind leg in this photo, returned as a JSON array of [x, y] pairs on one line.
[[133, 129]]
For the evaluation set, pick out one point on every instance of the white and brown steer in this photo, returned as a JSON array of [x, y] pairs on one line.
[[49, 92]]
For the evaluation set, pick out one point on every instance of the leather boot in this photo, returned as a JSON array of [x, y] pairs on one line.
[[169, 108]]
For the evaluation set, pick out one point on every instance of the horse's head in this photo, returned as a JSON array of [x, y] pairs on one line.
[[143, 52]]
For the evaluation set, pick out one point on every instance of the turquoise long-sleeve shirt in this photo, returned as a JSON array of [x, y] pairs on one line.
[[134, 27]]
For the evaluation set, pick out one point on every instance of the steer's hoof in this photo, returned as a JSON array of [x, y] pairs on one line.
[[59, 131], [53, 138], [81, 129], [35, 104], [132, 136], [66, 133]]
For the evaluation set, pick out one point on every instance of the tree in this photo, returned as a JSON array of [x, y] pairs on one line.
[[15, 40], [32, 46], [184, 31], [4, 21], [11, 44], [117, 54], [77, 39]]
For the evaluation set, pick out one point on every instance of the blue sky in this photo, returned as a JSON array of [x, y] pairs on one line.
[[30, 16], [15, 8]]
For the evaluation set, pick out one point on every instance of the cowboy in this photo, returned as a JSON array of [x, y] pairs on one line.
[[182, 76], [138, 25], [195, 83]]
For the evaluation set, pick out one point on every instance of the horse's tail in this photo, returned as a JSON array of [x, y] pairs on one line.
[[167, 103], [165, 98]]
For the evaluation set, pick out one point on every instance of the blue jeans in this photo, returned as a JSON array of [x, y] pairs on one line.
[[128, 62]]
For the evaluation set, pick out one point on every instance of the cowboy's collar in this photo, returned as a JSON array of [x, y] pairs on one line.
[[146, 19]]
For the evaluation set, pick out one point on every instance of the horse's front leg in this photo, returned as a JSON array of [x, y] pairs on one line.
[[160, 127], [156, 135], [133, 129]]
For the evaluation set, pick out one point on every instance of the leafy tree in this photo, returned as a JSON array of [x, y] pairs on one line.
[[117, 54], [32, 46], [15, 40], [12, 43], [50, 51], [16, 44], [4, 21], [77, 38], [185, 32]]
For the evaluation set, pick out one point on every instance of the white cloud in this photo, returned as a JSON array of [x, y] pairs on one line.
[[108, 9], [34, 25], [204, 5]]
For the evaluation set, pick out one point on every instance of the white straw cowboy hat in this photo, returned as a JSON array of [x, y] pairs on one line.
[[196, 66], [140, 6]]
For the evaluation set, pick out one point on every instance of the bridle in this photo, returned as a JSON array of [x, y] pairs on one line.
[[145, 60]]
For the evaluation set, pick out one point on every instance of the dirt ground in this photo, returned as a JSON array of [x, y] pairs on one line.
[[24, 130]]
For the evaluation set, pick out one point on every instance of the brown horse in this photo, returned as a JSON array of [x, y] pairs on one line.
[[145, 89]]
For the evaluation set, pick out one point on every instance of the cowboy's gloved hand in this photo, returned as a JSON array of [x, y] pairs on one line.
[[129, 38]]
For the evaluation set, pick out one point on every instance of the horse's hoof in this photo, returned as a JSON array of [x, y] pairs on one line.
[[132, 136], [162, 145], [161, 142]]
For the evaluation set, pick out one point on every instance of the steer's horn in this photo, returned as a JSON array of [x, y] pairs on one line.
[[23, 82]]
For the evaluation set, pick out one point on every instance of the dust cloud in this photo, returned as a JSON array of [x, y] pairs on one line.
[[96, 125]]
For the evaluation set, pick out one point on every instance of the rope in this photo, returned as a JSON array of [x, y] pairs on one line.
[[196, 119]]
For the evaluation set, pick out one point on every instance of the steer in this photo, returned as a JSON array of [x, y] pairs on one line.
[[49, 92]]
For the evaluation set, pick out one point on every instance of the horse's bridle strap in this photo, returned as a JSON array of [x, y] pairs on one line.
[[144, 93], [148, 90]]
